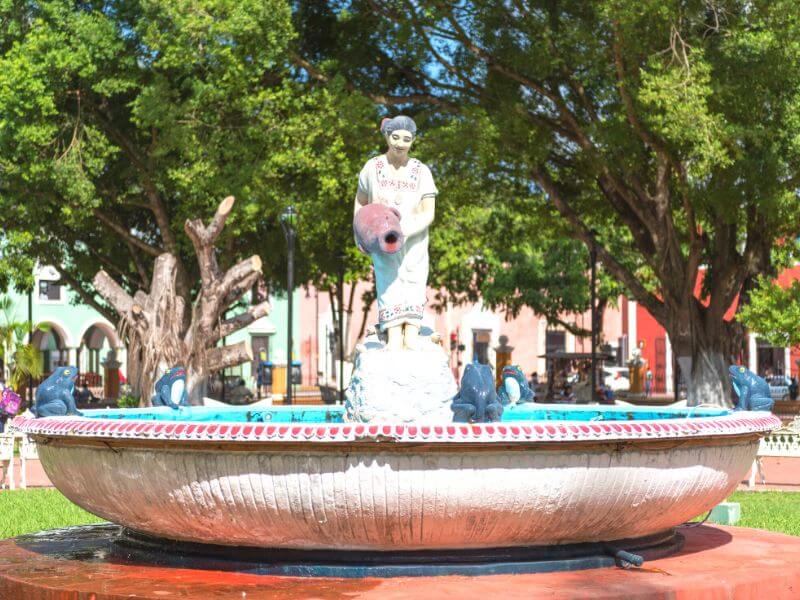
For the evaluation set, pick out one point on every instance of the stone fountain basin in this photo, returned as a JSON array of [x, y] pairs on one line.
[[296, 477]]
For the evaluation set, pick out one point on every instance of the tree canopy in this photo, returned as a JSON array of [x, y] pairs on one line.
[[127, 118], [122, 119], [664, 133], [493, 239]]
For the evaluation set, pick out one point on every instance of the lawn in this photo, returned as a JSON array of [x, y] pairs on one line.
[[33, 510], [775, 511], [25, 511]]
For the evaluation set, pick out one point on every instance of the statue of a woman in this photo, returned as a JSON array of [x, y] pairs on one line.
[[405, 184]]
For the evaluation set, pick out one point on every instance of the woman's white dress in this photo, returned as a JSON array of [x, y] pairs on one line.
[[401, 279]]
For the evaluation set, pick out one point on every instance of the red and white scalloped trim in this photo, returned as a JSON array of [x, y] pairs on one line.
[[538, 431]]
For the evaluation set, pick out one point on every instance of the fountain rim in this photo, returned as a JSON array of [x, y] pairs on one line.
[[735, 424]]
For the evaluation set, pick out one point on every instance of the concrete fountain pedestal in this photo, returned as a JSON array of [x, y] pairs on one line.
[[715, 562]]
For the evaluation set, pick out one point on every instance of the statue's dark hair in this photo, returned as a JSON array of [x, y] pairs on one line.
[[399, 122]]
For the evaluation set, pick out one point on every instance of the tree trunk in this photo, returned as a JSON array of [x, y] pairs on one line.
[[700, 348], [197, 384], [135, 371]]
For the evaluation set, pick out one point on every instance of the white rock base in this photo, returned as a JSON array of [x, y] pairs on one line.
[[400, 386]]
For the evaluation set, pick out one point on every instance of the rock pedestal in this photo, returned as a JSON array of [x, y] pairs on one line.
[[400, 386]]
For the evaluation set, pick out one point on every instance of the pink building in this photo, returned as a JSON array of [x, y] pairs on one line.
[[473, 326], [625, 326]]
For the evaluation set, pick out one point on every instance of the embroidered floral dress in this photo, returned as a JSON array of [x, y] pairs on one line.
[[401, 279]]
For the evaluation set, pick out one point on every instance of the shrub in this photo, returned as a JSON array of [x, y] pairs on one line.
[[128, 401]]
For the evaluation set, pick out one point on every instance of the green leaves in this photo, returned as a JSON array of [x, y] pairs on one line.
[[495, 238], [16, 261], [774, 312], [677, 97], [120, 120], [22, 360], [670, 128], [772, 309]]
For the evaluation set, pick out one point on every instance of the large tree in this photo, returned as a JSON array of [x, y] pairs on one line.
[[121, 120], [491, 240], [665, 134], [494, 240]]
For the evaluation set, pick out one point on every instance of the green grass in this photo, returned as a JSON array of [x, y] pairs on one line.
[[26, 511], [775, 511]]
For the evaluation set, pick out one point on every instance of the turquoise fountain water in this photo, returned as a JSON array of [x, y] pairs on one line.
[[334, 414]]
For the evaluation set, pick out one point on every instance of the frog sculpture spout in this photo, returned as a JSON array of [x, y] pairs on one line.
[[476, 401], [54, 396], [752, 390], [514, 388], [171, 389]]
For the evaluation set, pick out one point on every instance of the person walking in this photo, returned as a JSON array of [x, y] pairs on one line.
[[534, 381]]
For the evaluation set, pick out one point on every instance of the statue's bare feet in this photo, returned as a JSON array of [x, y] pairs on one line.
[[394, 338]]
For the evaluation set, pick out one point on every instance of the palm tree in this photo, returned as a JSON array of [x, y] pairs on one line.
[[20, 361]]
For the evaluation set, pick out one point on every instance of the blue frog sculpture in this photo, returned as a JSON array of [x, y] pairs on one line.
[[476, 401], [54, 396], [752, 390], [171, 389], [514, 387]]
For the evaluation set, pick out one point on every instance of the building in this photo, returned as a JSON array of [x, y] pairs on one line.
[[477, 330], [77, 334], [71, 333], [473, 327]]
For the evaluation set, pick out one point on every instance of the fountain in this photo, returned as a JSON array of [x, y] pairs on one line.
[[300, 478], [387, 485]]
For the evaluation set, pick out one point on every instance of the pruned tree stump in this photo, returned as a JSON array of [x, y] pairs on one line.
[[155, 325]]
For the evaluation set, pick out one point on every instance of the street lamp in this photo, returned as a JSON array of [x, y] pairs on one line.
[[593, 284], [30, 341], [342, 258], [289, 224]]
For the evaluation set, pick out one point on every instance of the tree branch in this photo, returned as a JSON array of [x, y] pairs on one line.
[[239, 273], [411, 13], [228, 326], [162, 220], [203, 239], [140, 268], [494, 64], [315, 73], [126, 235], [627, 101], [584, 233], [228, 356], [112, 292], [87, 297], [240, 289]]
